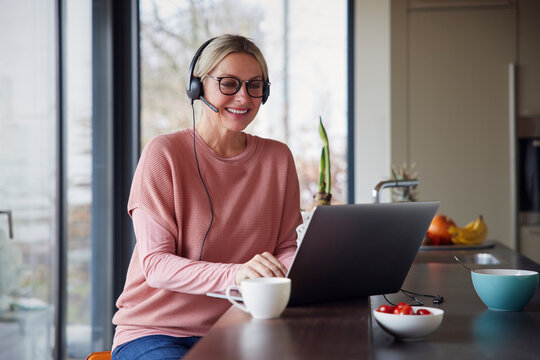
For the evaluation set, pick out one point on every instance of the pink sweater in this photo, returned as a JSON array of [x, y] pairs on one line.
[[256, 202]]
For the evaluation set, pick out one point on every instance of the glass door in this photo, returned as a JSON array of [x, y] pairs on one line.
[[28, 178]]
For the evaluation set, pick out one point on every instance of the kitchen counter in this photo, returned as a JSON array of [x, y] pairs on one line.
[[346, 330]]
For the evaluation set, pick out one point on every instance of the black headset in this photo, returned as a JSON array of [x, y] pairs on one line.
[[194, 86]]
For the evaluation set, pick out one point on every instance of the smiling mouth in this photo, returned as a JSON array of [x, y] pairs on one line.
[[235, 111]]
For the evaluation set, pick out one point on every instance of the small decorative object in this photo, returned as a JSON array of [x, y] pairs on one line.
[[404, 193], [323, 196]]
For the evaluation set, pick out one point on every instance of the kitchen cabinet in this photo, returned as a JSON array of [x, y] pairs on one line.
[[530, 241], [529, 58]]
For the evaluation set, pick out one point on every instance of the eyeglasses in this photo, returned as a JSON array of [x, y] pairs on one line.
[[229, 85]]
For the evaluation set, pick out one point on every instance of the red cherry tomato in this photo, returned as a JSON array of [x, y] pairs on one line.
[[386, 309], [402, 304], [407, 311], [404, 309], [423, 312]]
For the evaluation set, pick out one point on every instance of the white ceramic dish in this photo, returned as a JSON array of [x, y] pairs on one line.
[[410, 327]]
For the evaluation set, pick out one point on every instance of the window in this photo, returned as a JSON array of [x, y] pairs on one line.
[[55, 273], [28, 178], [306, 50]]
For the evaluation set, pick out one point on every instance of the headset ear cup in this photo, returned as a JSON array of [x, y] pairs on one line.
[[195, 89]]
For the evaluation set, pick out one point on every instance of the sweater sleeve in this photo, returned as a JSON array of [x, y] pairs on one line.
[[152, 185], [164, 269]]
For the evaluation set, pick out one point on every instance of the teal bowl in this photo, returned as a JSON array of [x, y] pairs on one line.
[[505, 289]]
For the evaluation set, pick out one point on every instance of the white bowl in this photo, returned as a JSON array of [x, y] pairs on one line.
[[408, 327]]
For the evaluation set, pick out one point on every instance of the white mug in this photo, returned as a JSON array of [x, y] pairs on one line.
[[264, 298]]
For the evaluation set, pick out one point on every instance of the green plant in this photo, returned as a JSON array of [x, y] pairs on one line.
[[324, 196]]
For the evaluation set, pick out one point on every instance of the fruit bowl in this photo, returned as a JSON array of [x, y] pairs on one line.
[[410, 327]]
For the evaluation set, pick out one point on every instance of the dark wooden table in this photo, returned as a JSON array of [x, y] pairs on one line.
[[305, 332], [345, 330]]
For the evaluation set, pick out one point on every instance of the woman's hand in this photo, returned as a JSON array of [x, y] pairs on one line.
[[261, 265]]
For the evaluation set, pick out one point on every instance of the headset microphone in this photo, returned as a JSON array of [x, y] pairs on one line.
[[207, 103]]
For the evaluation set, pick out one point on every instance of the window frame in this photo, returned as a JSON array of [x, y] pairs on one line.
[[116, 150]]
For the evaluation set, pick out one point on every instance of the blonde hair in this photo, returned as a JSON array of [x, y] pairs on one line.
[[224, 45]]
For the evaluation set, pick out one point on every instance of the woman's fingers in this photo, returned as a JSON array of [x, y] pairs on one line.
[[261, 265], [267, 265], [272, 263], [245, 271]]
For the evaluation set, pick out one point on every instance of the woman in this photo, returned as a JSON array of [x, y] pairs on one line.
[[210, 206]]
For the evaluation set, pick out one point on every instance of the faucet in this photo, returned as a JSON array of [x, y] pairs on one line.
[[392, 184], [10, 221]]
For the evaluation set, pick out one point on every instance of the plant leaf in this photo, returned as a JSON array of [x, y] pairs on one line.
[[326, 154], [322, 170], [322, 132]]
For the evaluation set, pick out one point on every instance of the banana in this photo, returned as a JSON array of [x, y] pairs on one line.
[[474, 233], [472, 224], [472, 237]]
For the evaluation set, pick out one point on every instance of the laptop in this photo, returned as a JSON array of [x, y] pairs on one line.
[[356, 250]]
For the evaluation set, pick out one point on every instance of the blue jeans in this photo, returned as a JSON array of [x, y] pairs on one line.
[[154, 347]]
